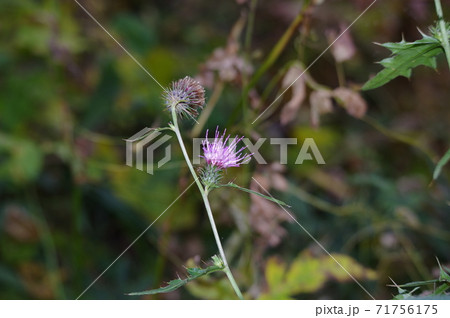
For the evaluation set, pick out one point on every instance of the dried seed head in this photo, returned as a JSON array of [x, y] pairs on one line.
[[186, 96]]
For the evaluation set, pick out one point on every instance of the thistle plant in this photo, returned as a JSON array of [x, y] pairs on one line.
[[408, 55], [184, 100]]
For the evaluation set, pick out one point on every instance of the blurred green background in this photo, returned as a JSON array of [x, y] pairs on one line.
[[69, 95]]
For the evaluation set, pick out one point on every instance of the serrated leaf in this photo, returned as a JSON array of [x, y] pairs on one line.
[[443, 280], [405, 57], [232, 185], [193, 273], [441, 163]]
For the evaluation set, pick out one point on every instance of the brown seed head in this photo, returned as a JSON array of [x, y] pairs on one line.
[[187, 96]]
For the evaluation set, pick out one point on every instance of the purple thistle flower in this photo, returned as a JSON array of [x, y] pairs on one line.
[[219, 154], [186, 95]]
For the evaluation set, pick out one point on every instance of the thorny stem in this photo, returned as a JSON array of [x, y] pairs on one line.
[[204, 193], [443, 29]]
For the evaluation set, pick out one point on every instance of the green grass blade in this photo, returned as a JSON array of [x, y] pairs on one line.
[[442, 162]]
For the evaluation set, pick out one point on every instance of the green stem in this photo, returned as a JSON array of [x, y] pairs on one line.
[[406, 139], [340, 74], [219, 245], [270, 59], [279, 47], [247, 48], [250, 25], [204, 194], [443, 29], [49, 247]]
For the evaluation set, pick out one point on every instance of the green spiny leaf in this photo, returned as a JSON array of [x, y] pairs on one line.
[[405, 57], [400, 291], [439, 290], [193, 273]]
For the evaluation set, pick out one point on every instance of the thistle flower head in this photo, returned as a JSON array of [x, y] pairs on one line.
[[186, 96], [222, 153]]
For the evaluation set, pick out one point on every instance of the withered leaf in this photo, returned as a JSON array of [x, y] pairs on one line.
[[352, 101], [321, 103], [298, 93]]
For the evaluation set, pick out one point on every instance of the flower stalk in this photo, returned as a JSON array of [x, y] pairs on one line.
[[204, 194], [443, 30]]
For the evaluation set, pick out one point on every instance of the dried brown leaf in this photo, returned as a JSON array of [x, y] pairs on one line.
[[344, 48], [226, 61], [321, 103], [298, 93], [20, 225], [352, 101]]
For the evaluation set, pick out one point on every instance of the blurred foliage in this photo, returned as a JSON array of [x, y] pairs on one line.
[[69, 206], [308, 274]]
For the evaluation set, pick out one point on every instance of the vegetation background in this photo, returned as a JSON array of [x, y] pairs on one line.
[[69, 96]]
